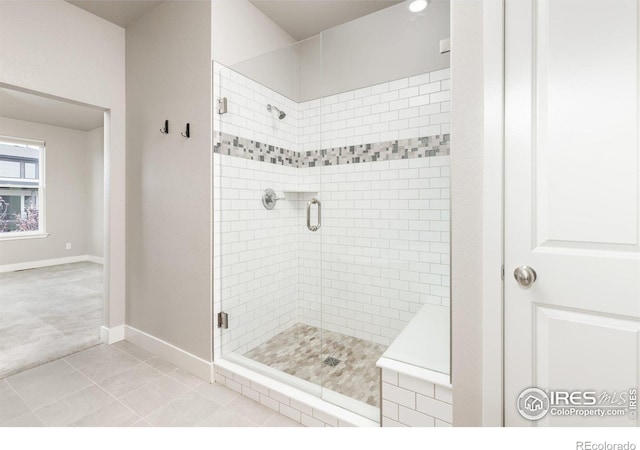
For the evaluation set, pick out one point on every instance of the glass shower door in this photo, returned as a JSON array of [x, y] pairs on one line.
[[385, 192], [269, 278], [331, 202]]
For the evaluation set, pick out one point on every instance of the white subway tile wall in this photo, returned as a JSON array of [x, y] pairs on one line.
[[257, 251], [247, 114], [407, 108], [383, 248], [412, 402], [381, 253]]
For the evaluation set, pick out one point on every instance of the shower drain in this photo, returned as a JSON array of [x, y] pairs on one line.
[[331, 361]]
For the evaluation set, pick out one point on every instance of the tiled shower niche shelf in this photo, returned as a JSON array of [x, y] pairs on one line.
[[300, 191]]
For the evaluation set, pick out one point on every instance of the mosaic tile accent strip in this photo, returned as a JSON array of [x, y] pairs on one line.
[[422, 147], [301, 349], [257, 151]]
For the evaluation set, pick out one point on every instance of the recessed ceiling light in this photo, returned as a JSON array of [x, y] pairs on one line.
[[417, 5]]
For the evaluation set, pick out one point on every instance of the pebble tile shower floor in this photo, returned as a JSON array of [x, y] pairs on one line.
[[298, 351], [122, 385]]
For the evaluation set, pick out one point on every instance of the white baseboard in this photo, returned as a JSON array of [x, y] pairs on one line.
[[95, 259], [191, 363], [50, 262], [111, 335]]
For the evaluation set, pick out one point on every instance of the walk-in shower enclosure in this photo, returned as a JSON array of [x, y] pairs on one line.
[[350, 129]]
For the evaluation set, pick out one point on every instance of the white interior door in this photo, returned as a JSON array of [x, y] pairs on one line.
[[572, 208]]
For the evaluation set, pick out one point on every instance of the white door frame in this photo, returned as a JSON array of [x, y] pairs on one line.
[[493, 216], [478, 339]]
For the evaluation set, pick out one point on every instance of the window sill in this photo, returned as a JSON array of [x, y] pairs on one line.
[[19, 236]]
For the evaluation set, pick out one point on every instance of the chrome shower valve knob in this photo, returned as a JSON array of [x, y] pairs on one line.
[[269, 199]]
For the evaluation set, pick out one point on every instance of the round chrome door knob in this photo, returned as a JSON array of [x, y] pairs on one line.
[[525, 276]]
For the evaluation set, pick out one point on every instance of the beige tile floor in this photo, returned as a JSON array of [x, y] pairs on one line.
[[122, 385]]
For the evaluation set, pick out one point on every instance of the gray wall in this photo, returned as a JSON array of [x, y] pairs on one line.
[[240, 31], [278, 70], [294, 71], [72, 194], [168, 76], [263, 51], [466, 209], [387, 45], [310, 68]]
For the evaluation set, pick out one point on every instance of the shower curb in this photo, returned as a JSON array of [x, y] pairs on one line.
[[300, 406]]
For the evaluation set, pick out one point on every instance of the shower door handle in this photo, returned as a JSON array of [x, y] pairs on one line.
[[314, 201]]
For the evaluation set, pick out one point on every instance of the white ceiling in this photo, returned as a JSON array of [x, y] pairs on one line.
[[300, 18], [306, 18], [34, 108], [120, 12]]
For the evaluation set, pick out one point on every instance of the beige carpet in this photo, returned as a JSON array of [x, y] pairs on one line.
[[302, 350], [48, 313]]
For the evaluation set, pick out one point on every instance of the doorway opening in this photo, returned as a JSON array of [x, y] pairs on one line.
[[52, 228]]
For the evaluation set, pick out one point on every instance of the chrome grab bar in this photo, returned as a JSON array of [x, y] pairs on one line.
[[314, 201]]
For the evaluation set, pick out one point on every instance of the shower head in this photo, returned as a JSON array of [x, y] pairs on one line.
[[281, 114]]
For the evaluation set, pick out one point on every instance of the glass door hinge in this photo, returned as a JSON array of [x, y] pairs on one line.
[[222, 105], [223, 320]]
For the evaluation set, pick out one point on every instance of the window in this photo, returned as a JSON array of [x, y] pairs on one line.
[[21, 187]]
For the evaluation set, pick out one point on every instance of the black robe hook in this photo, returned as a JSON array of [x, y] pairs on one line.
[[165, 130], [187, 133]]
